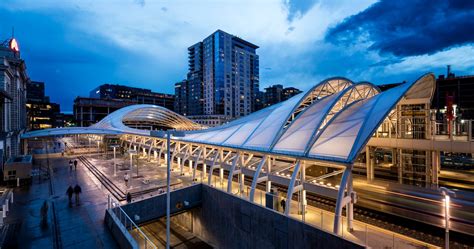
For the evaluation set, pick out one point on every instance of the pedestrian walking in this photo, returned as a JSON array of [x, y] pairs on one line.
[[44, 214], [283, 204], [70, 165], [75, 164], [77, 191], [129, 197], [69, 193], [126, 177]]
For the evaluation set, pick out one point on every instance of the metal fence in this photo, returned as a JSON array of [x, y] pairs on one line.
[[6, 198], [140, 237]]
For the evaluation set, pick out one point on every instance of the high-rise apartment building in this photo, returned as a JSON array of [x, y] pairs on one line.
[[223, 78], [195, 81], [13, 80], [180, 97]]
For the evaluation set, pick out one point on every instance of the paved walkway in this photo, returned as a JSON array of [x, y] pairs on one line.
[[76, 226]]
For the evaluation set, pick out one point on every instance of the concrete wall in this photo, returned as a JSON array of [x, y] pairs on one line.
[[227, 221], [155, 207]]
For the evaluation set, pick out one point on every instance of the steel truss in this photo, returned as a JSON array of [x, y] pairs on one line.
[[256, 166]]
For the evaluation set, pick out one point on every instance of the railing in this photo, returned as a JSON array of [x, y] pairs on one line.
[[458, 130], [140, 237], [5, 199]]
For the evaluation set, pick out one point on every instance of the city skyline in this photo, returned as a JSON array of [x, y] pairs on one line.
[[275, 123], [134, 43]]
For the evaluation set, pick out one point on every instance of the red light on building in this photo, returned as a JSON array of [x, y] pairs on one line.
[[14, 45]]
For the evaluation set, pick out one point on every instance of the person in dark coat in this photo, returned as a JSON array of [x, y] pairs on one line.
[[75, 165], [44, 214], [70, 165], [283, 204], [77, 191], [69, 193], [129, 197]]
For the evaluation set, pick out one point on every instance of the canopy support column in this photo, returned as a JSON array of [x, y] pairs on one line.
[[369, 162], [291, 187], [231, 172], [196, 160], [255, 178], [186, 155], [269, 168], [204, 166], [211, 169], [161, 152], [344, 198]]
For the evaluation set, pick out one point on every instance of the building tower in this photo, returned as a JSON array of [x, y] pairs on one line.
[[223, 79]]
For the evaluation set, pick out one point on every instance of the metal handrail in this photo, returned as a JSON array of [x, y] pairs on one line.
[[115, 204]]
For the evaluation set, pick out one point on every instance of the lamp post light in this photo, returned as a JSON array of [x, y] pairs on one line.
[[167, 134], [115, 146], [447, 202], [132, 152]]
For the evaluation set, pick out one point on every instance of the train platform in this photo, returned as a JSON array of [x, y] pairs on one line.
[[75, 226]]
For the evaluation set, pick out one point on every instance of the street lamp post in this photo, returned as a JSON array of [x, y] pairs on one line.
[[132, 152], [115, 162], [168, 195], [168, 135], [447, 202]]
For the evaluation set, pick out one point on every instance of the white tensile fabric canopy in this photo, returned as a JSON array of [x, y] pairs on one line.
[[332, 121]]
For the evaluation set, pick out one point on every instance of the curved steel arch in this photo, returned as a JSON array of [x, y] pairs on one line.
[[325, 110], [336, 131], [322, 89], [260, 129]]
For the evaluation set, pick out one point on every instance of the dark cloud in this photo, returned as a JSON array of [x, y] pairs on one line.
[[70, 63], [298, 7], [289, 30], [408, 28]]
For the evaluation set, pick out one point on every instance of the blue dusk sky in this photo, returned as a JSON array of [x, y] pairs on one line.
[[76, 45]]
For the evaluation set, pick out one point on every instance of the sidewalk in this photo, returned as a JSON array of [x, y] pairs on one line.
[[68, 227], [80, 226]]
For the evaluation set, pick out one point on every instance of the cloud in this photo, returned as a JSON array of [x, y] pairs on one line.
[[76, 45], [408, 28], [298, 8]]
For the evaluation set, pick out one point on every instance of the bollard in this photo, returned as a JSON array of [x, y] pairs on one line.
[[18, 182]]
